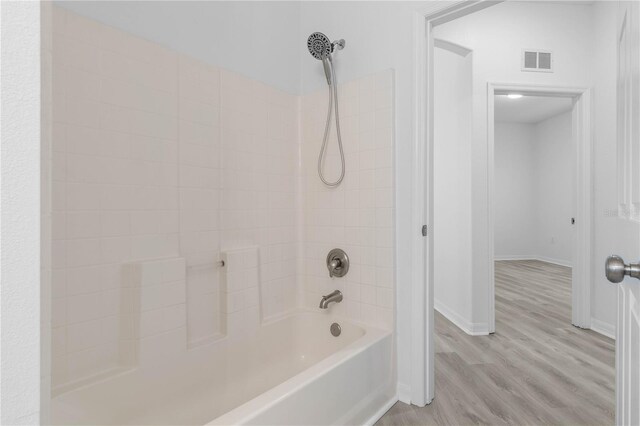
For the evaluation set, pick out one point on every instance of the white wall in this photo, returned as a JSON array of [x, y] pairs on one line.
[[452, 185], [515, 190], [535, 190], [257, 39], [568, 31], [20, 122], [555, 202]]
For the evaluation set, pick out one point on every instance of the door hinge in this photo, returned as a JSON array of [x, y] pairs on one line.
[[424, 230]]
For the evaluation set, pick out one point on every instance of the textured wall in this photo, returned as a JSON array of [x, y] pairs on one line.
[[20, 213]]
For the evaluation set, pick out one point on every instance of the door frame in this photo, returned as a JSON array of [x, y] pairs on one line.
[[422, 387], [581, 124]]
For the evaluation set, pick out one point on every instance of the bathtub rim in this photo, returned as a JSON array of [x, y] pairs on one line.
[[259, 404]]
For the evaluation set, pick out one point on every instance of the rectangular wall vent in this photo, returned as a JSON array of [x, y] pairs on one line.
[[537, 60]]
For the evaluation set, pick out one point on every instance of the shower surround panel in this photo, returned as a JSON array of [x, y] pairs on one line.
[[159, 158], [358, 215], [158, 155]]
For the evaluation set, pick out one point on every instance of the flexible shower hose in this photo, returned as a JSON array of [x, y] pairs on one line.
[[333, 97]]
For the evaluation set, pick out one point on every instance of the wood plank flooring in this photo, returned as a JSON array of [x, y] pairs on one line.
[[536, 369]]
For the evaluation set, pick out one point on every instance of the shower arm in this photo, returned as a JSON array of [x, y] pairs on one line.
[[338, 43]]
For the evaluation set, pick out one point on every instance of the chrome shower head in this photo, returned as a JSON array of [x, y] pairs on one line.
[[319, 46]]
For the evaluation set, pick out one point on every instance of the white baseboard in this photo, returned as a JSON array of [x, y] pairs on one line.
[[555, 261], [604, 328], [472, 329], [514, 257], [534, 257]]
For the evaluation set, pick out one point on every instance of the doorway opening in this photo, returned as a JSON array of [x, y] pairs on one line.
[[568, 160], [534, 207]]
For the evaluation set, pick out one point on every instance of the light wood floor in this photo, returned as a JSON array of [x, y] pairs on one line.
[[536, 369]]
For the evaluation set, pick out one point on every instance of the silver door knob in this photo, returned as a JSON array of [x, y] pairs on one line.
[[615, 269]]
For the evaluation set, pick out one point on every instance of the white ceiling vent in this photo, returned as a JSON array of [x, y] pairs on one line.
[[537, 60]]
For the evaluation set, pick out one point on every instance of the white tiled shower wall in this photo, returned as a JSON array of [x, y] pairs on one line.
[[152, 310], [159, 156], [137, 174], [358, 215]]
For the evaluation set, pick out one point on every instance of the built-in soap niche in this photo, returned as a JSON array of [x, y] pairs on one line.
[[153, 314], [204, 302]]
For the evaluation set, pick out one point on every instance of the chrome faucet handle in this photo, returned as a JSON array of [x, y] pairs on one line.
[[337, 263]]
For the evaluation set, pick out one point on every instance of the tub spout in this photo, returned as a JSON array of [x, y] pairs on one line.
[[335, 296]]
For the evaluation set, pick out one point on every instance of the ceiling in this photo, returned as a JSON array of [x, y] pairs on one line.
[[529, 109]]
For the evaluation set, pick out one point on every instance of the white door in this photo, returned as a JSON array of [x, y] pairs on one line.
[[628, 221]]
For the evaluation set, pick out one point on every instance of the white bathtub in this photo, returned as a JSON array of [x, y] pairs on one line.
[[292, 371]]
